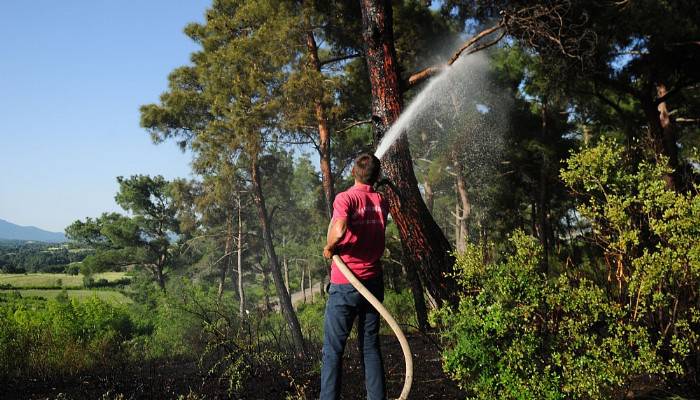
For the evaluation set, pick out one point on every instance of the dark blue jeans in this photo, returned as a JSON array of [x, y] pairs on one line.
[[344, 304]]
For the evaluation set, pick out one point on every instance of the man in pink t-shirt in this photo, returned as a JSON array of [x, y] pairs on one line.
[[356, 234]]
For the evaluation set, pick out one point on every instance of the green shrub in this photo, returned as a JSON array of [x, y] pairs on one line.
[[623, 322], [401, 306], [311, 317], [59, 337]]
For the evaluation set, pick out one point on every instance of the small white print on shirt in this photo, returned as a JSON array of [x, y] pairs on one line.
[[375, 211]]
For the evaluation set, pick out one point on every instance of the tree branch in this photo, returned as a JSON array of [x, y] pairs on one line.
[[475, 39], [420, 76], [354, 124], [673, 92], [340, 58]]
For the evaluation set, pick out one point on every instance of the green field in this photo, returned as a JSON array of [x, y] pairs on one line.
[[110, 296], [31, 285], [37, 280]]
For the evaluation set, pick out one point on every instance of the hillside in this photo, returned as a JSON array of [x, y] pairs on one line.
[[10, 231]]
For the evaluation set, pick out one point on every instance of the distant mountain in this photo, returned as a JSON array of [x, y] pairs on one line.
[[10, 231]]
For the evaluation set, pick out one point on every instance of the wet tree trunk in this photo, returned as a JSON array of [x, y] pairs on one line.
[[667, 138], [463, 195], [428, 194], [662, 136], [285, 302], [426, 246]]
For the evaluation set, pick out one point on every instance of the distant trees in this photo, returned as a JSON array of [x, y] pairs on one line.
[[145, 239], [19, 257]]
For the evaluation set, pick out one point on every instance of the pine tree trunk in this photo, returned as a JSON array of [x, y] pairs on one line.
[[286, 273], [428, 194], [418, 299], [463, 195], [311, 284], [457, 231], [226, 262], [667, 138], [303, 288], [428, 248], [542, 197], [160, 278], [158, 270], [324, 135], [285, 302], [662, 135], [239, 261], [266, 288]]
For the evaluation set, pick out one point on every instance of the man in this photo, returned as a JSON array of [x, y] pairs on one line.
[[356, 234]]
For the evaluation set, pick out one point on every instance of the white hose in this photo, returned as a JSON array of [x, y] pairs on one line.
[[389, 319]]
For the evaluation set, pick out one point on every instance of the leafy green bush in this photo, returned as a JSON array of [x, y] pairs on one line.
[[401, 306], [311, 317], [630, 319], [189, 321], [59, 337]]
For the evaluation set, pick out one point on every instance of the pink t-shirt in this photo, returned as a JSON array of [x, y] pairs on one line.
[[363, 244]]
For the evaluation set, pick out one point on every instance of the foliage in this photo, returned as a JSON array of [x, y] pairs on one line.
[[311, 317], [648, 234], [230, 347], [401, 306], [142, 239], [18, 256], [517, 334], [61, 336]]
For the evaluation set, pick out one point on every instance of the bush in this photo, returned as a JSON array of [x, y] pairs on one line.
[[59, 337], [626, 321], [311, 319], [401, 306]]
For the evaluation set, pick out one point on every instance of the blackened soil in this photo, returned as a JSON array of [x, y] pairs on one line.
[[170, 379]]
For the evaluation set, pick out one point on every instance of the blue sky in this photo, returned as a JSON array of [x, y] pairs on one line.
[[72, 77]]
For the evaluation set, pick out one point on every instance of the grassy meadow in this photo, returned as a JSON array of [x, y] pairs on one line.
[[110, 296], [49, 286], [66, 281]]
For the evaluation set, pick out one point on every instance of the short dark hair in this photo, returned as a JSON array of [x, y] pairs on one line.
[[367, 168]]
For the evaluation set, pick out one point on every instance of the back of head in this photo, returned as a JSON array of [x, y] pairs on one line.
[[367, 169]]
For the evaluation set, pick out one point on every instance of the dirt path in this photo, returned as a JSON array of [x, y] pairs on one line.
[[314, 292]]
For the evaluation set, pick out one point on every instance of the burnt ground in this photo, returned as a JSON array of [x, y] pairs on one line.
[[169, 379]]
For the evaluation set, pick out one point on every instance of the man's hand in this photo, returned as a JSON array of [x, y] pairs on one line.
[[328, 252]]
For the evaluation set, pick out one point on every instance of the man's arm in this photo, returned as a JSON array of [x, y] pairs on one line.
[[336, 231]]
